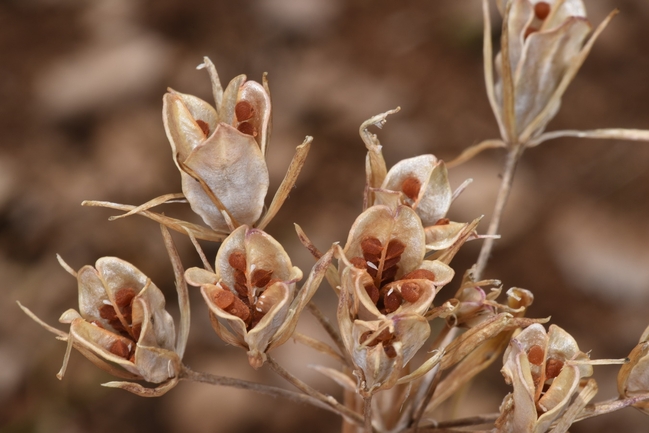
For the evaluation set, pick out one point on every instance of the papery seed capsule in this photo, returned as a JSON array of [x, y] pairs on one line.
[[136, 330], [529, 31], [442, 222], [535, 355], [411, 187]]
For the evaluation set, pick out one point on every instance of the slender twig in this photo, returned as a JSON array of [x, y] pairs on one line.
[[367, 414], [461, 422], [343, 411], [515, 152], [328, 327], [273, 391]]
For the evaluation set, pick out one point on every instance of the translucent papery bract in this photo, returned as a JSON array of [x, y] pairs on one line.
[[382, 348]]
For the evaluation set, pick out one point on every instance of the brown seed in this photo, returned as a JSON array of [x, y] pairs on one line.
[[243, 110], [256, 318], [247, 128], [411, 187], [358, 262], [372, 292], [204, 126], [553, 368], [372, 271], [107, 312], [542, 10], [391, 301], [241, 289], [124, 297], [410, 291], [240, 277], [388, 275], [120, 349], [385, 335], [536, 354], [371, 245], [395, 249], [364, 336], [442, 222], [390, 351], [261, 277], [420, 274], [239, 309], [223, 298], [238, 261]]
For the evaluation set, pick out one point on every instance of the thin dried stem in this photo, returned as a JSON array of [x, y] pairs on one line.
[[462, 422], [501, 200], [367, 413], [212, 379], [343, 411], [328, 327], [605, 134]]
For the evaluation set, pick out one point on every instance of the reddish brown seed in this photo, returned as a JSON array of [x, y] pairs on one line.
[[260, 277], [364, 336], [385, 336], [411, 187], [124, 297], [247, 128], [390, 351], [391, 301], [240, 277], [358, 262], [120, 349], [241, 289], [529, 31], [442, 222], [536, 354], [371, 245], [107, 312], [388, 275], [223, 298], [372, 292], [204, 126], [395, 249], [238, 261], [97, 323], [420, 274], [542, 10], [372, 271], [410, 291], [256, 318], [389, 263], [239, 309], [243, 110], [553, 368]]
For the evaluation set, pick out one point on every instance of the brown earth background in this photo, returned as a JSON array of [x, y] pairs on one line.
[[81, 84]]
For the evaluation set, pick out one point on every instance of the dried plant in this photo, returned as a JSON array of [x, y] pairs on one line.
[[397, 258]]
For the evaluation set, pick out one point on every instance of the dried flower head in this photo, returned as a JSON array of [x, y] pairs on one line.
[[253, 290], [633, 378], [122, 322], [538, 365]]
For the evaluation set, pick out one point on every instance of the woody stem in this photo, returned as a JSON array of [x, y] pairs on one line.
[[513, 156]]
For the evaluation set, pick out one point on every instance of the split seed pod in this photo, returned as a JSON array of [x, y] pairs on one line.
[[253, 291], [633, 378], [122, 326]]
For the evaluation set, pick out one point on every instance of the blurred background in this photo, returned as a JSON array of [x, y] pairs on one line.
[[81, 84]]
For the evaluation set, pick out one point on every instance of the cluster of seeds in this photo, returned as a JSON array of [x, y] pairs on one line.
[[122, 322], [244, 112], [536, 356], [246, 301], [382, 265], [383, 336]]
